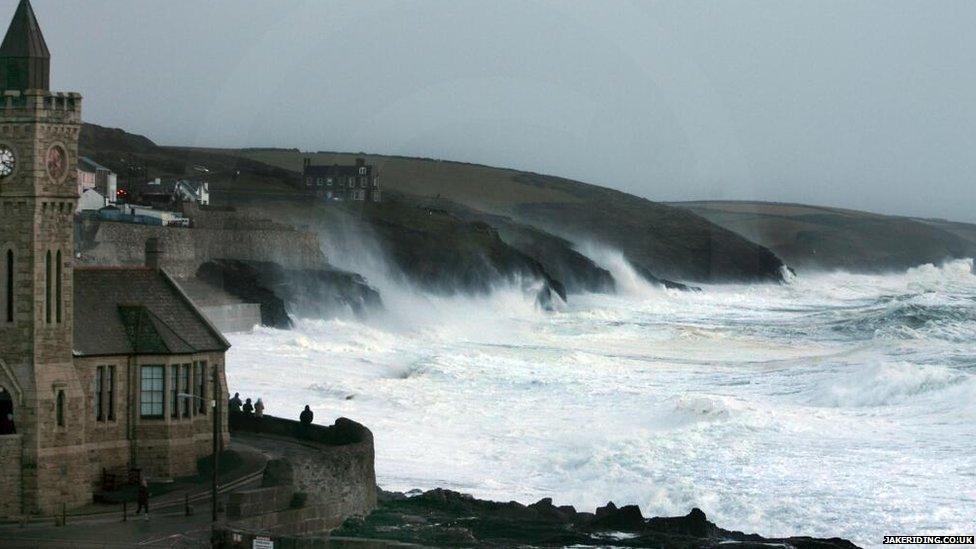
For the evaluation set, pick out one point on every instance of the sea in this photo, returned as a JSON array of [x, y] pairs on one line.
[[833, 404]]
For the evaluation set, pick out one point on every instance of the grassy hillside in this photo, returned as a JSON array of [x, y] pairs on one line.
[[670, 242], [809, 237]]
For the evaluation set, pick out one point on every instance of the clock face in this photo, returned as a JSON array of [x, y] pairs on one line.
[[57, 162], [7, 161]]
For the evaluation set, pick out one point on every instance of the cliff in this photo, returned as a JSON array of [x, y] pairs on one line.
[[662, 240], [814, 237]]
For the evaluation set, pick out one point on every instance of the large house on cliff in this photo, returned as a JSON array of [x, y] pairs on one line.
[[103, 371], [338, 182]]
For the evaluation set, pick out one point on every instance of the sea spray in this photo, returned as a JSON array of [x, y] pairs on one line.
[[768, 406]]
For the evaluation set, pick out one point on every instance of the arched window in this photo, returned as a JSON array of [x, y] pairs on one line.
[[57, 286], [47, 288], [59, 409], [8, 286]]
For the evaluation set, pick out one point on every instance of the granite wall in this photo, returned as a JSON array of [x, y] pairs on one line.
[[330, 469]]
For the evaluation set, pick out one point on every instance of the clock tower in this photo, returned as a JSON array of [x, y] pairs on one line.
[[38, 154]]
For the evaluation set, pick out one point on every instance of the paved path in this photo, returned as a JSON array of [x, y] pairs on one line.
[[168, 526]]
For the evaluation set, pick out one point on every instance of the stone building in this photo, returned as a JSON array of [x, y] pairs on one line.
[[335, 182], [103, 371]]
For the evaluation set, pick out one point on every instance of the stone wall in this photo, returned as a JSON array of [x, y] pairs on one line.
[[10, 479], [117, 243], [332, 466]]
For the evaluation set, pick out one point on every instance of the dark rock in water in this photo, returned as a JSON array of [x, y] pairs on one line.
[[626, 519], [606, 510], [693, 524], [279, 291], [245, 282], [450, 519], [669, 284]]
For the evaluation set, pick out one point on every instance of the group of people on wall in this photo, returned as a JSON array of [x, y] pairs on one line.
[[257, 409]]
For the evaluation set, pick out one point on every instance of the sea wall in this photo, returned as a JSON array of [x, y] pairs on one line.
[[117, 243], [330, 476]]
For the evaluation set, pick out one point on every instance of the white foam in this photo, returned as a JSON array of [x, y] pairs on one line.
[[781, 409]]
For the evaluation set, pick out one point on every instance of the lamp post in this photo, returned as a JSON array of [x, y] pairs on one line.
[[215, 410]]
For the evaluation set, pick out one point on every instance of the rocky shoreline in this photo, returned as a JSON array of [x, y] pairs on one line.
[[445, 518]]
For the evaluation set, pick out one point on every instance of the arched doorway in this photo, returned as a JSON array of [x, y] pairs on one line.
[[7, 426]]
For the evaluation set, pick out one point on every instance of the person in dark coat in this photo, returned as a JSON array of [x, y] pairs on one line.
[[143, 497], [306, 416], [235, 403], [248, 407]]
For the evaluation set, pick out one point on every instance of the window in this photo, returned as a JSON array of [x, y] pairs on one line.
[[98, 385], [328, 182], [152, 391], [47, 289], [8, 287], [174, 387], [185, 389], [308, 181], [110, 390], [57, 286], [59, 409], [202, 385], [362, 170]]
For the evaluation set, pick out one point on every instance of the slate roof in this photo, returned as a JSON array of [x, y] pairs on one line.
[[24, 38], [334, 170], [137, 310]]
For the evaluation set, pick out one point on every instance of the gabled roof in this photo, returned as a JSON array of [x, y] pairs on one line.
[[137, 311], [24, 38]]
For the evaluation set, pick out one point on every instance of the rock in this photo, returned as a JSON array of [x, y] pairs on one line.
[[245, 282], [279, 291], [626, 519], [450, 519], [442, 253], [606, 510], [693, 524]]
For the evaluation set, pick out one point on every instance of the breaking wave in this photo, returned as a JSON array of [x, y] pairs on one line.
[[834, 404]]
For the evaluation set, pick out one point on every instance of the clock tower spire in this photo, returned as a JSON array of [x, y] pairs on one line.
[[25, 62], [38, 154]]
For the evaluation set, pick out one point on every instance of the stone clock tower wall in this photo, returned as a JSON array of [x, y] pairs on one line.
[[38, 148]]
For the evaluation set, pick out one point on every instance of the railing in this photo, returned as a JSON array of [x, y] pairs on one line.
[[344, 432]]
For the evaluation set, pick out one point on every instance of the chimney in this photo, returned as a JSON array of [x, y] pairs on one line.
[[360, 162], [154, 253]]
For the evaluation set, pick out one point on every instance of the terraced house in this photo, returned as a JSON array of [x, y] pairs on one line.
[[104, 372]]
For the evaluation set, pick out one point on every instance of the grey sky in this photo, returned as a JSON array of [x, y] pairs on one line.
[[869, 105]]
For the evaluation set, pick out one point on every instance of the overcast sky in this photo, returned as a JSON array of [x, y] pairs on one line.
[[868, 105]]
